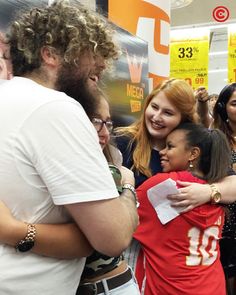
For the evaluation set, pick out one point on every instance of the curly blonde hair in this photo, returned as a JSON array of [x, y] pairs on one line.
[[69, 29]]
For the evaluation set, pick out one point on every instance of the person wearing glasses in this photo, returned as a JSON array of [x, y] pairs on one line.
[[101, 267], [101, 272]]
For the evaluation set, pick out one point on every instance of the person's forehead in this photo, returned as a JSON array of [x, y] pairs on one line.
[[233, 96], [161, 99], [103, 108], [177, 135]]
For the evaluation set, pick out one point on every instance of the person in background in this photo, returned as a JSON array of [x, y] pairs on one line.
[[224, 118], [50, 149], [212, 101], [224, 115], [205, 105], [202, 100], [181, 255], [101, 270]]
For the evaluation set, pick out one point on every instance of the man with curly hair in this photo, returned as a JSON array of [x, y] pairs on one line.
[[50, 153]]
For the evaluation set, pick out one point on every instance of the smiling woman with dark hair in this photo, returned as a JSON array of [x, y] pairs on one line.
[[182, 256]]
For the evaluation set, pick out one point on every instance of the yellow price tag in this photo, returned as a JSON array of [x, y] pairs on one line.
[[189, 57], [232, 53]]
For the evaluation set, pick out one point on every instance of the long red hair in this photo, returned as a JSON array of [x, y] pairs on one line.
[[180, 94]]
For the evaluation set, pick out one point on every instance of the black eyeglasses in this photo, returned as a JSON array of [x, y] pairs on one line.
[[98, 124]]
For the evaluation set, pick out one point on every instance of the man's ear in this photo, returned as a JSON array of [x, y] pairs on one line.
[[3, 69], [49, 56], [195, 153]]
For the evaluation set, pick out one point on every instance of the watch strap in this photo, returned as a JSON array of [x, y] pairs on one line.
[[131, 188], [29, 238], [215, 194]]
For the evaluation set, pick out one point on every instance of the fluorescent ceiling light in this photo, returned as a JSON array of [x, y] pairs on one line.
[[218, 53], [218, 71], [179, 3], [209, 25], [189, 33]]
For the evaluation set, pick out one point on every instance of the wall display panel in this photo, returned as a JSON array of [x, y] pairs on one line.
[[9, 8], [127, 83], [149, 20]]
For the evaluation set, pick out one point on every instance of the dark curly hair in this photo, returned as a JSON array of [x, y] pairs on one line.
[[68, 29]]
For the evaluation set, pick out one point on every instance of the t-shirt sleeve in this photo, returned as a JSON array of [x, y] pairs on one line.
[[62, 145]]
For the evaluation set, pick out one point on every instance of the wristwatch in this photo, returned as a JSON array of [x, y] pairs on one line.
[[27, 243], [215, 194], [132, 189]]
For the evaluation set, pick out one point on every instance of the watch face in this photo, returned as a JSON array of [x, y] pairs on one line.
[[25, 246], [217, 197]]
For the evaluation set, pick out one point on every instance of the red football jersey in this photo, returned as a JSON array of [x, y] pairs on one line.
[[182, 256]]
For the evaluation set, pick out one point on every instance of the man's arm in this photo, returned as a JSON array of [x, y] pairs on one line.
[[202, 98], [109, 225], [110, 230], [64, 241]]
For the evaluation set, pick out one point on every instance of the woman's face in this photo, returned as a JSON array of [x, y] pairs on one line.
[[231, 108], [103, 114], [176, 155], [161, 117]]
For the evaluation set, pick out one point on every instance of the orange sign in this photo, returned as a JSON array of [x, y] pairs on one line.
[[149, 22], [127, 84], [135, 68]]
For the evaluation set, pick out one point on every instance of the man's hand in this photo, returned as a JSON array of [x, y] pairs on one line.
[[127, 176]]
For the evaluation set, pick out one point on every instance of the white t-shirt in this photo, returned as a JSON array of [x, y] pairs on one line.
[[50, 155]]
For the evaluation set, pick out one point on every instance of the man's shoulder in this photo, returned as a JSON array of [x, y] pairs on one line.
[[24, 91]]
